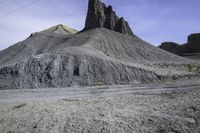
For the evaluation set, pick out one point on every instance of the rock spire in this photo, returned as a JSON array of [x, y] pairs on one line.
[[101, 16]]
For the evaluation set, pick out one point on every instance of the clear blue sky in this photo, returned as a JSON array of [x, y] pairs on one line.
[[154, 21]]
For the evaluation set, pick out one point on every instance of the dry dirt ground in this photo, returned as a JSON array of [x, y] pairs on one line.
[[158, 108], [193, 56]]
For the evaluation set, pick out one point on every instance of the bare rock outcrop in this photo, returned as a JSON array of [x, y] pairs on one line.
[[101, 16]]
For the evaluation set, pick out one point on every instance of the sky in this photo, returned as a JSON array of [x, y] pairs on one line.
[[154, 21]]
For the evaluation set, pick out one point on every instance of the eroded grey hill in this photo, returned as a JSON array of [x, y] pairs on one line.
[[60, 57]]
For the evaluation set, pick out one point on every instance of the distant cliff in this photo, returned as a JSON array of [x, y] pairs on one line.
[[173, 47], [192, 45]]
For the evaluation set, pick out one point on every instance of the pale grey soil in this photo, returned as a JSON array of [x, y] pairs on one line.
[[152, 108], [195, 56]]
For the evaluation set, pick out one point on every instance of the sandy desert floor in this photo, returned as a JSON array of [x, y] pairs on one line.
[[152, 108]]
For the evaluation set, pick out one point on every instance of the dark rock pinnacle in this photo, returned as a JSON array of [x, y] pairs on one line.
[[100, 16]]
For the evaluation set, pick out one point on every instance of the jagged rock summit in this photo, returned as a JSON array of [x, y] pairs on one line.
[[101, 16]]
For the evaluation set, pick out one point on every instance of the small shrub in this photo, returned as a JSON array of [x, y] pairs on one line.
[[198, 68], [189, 66]]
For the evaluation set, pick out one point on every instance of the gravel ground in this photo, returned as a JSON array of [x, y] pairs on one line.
[[167, 111]]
